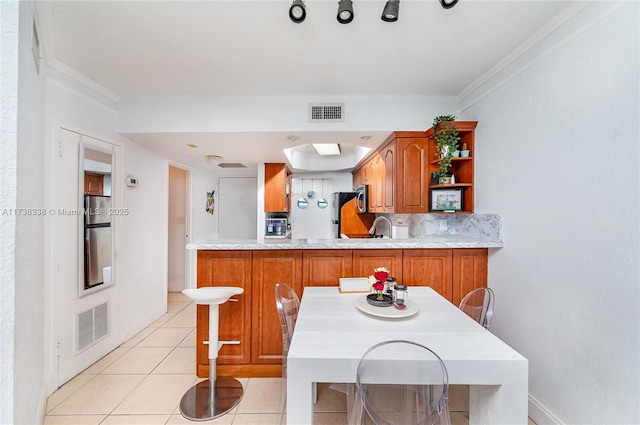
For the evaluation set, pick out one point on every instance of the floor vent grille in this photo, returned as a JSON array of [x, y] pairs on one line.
[[93, 325], [331, 112]]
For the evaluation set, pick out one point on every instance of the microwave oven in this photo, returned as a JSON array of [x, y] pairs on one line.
[[276, 228], [362, 198]]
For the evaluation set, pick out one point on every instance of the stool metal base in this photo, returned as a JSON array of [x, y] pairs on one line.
[[202, 402]]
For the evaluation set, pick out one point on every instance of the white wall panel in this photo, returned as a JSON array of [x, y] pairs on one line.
[[557, 157]]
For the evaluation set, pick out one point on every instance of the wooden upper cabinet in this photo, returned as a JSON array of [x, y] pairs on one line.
[[376, 184], [462, 168], [428, 267], [325, 267], [411, 182], [398, 174], [388, 179], [277, 188], [269, 268], [225, 268], [469, 271], [93, 184]]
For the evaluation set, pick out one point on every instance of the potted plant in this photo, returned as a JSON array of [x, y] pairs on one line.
[[446, 137]]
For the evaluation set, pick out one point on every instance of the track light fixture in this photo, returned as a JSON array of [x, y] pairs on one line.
[[390, 12], [345, 11], [297, 11], [448, 4]]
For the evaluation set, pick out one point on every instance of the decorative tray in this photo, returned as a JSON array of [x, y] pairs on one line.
[[387, 312]]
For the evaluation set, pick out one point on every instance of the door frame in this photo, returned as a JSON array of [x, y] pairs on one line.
[[189, 262]]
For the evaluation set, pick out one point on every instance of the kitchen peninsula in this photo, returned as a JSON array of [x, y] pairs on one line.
[[450, 264]]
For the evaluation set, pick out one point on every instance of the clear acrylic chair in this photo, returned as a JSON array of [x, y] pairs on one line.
[[287, 304], [411, 390], [478, 304]]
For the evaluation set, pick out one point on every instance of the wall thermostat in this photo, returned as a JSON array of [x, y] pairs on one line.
[[131, 181]]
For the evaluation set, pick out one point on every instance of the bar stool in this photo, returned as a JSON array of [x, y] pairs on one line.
[[217, 395]]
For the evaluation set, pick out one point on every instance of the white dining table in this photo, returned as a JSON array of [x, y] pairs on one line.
[[332, 334]]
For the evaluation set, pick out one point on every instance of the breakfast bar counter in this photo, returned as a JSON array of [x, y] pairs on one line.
[[430, 242], [451, 266]]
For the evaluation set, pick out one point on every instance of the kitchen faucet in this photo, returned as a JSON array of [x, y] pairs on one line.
[[372, 231]]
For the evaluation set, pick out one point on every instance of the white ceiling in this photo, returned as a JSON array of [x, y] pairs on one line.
[[250, 47]]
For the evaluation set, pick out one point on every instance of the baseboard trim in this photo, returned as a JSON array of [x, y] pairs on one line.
[[50, 385], [136, 328], [176, 286], [42, 407], [540, 414]]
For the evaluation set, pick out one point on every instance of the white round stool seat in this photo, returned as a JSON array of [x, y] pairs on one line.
[[215, 396], [212, 294]]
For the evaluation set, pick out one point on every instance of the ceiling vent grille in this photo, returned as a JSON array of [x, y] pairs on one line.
[[332, 112], [231, 165]]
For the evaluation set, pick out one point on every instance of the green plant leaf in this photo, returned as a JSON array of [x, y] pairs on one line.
[[445, 134]]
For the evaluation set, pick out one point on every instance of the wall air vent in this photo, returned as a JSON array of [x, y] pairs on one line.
[[231, 165], [326, 112], [92, 325]]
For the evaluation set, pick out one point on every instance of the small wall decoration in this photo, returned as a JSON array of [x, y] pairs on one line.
[[211, 202], [446, 199]]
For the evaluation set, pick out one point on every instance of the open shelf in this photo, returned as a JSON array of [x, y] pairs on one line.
[[453, 160], [462, 168], [447, 186]]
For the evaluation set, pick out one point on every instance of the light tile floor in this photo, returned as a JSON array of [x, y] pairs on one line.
[[143, 380]]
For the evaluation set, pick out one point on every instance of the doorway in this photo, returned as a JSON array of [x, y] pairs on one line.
[[178, 228], [238, 208]]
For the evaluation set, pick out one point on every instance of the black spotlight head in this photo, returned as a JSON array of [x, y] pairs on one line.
[[390, 12], [448, 4], [345, 11], [297, 11]]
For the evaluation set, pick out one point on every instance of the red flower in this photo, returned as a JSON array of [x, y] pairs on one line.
[[379, 286], [381, 275]]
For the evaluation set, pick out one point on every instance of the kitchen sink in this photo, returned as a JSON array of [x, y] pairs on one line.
[[363, 236]]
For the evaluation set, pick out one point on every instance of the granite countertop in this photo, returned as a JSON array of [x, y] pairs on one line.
[[449, 241]]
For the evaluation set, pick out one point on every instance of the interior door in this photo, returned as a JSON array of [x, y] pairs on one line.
[[87, 325], [238, 208]]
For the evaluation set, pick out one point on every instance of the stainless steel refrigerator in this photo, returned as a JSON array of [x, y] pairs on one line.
[[97, 240]]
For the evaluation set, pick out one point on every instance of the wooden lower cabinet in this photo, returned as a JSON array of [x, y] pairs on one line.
[[323, 267], [225, 268], [269, 268], [253, 320], [366, 260], [428, 267], [470, 268]]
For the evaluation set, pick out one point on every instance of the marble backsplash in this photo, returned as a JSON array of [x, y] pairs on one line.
[[484, 226]]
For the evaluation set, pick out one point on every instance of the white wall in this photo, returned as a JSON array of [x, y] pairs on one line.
[[77, 110], [557, 157], [313, 222], [22, 336], [143, 246], [276, 113], [205, 225], [144, 242]]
